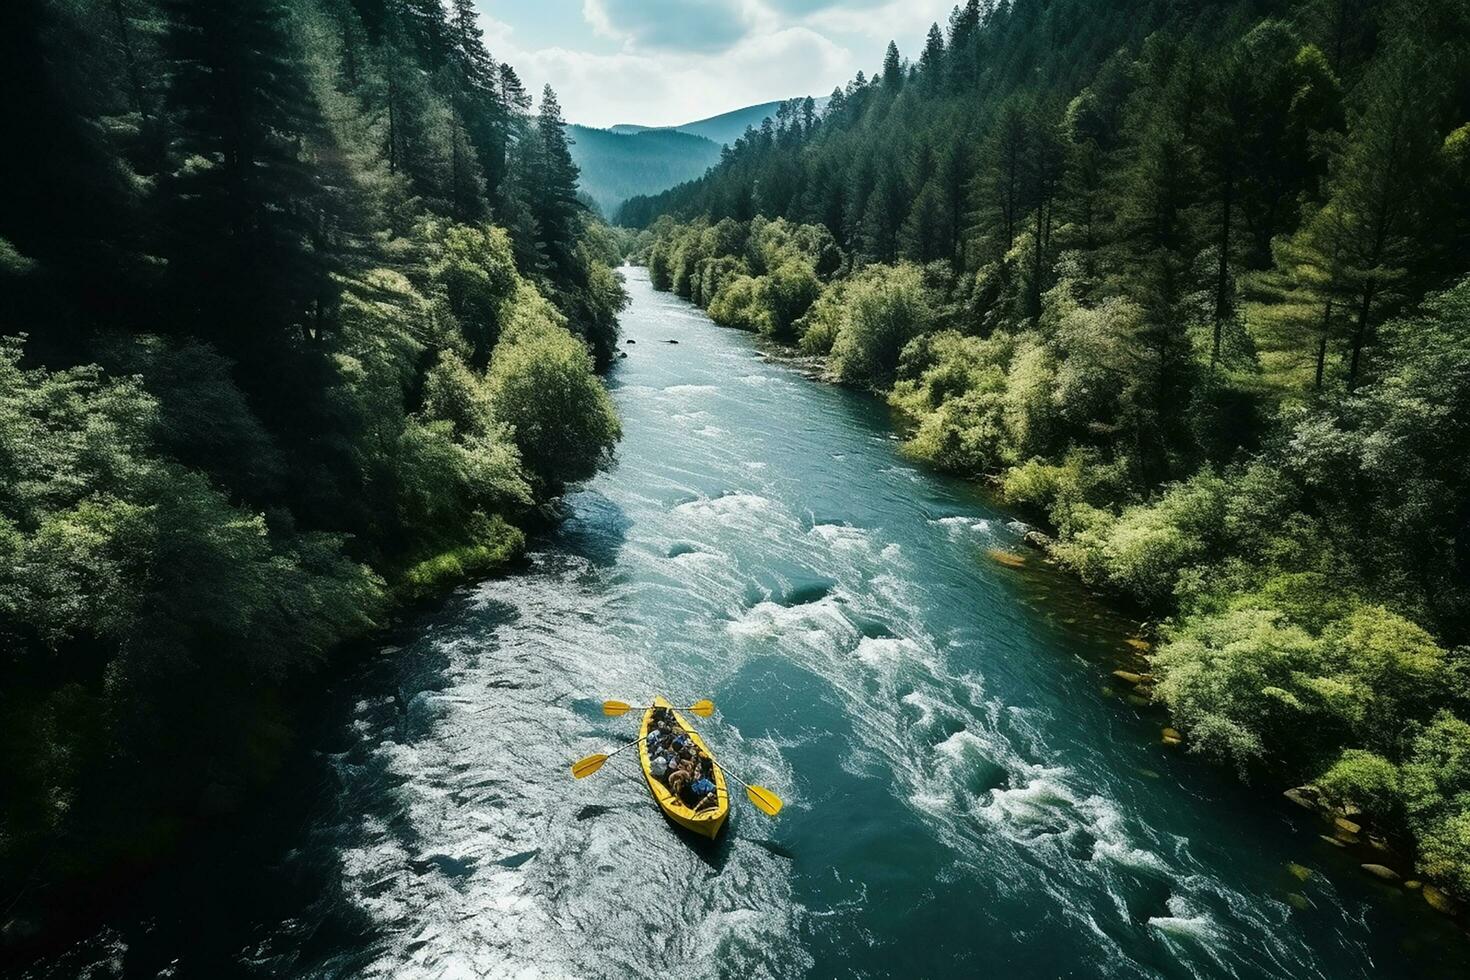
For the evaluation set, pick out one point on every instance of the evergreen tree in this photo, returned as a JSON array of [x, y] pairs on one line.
[[931, 62], [251, 218], [553, 186], [892, 68]]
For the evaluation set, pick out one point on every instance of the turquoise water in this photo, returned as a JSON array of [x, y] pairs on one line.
[[964, 794]]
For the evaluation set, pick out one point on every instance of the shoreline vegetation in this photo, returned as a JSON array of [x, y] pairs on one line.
[[1189, 290], [302, 323]]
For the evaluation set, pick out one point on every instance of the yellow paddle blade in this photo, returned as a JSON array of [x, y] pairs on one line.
[[764, 800], [703, 708], [586, 767], [614, 708]]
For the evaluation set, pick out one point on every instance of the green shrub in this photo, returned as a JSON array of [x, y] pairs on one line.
[[476, 268], [887, 307], [1370, 781], [1230, 683], [543, 388], [1436, 787], [739, 304]]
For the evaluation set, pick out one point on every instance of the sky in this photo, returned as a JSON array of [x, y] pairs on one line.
[[667, 62]]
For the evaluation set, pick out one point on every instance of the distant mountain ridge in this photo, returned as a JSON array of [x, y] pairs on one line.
[[727, 127], [628, 160], [618, 165]]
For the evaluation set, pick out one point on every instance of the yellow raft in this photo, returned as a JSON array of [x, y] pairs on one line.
[[706, 823]]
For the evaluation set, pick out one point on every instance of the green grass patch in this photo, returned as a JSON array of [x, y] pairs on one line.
[[496, 542]]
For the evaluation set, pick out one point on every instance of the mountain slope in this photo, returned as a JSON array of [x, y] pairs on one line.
[[728, 127], [723, 129], [617, 166]]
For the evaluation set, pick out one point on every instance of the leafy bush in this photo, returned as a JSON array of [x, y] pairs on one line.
[[543, 388], [1230, 680], [1367, 780], [886, 308], [1436, 786]]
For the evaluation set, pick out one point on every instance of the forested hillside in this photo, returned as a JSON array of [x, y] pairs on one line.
[[1186, 280], [616, 166], [301, 316]]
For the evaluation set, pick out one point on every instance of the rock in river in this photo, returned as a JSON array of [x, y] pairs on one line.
[[1382, 871]]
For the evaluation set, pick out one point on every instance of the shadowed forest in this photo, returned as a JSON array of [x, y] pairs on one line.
[[302, 316]]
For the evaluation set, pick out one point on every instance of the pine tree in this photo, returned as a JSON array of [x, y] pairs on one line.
[[1376, 187], [555, 204], [250, 253], [964, 55], [892, 69], [931, 62]]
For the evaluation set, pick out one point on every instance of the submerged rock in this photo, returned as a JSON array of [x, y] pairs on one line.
[[1439, 901], [1382, 871], [1007, 558], [1127, 676], [1298, 871], [1348, 826]]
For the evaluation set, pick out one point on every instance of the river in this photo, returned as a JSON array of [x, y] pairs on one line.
[[964, 792]]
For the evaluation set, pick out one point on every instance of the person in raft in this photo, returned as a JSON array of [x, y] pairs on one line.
[[688, 772]]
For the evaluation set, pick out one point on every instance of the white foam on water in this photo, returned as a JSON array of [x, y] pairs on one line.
[[842, 537], [884, 651]]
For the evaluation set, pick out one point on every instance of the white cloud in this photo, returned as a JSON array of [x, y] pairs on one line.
[[899, 20], [681, 25], [673, 87], [680, 60]]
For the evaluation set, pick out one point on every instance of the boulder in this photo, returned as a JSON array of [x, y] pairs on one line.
[[1298, 871], [1038, 540], [1171, 742], [1300, 799], [1332, 840], [1413, 884], [1018, 528], [1382, 871], [1172, 733], [1439, 901], [1138, 643], [1128, 677], [1348, 826], [630, 340]]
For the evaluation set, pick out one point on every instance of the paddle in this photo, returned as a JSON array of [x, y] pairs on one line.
[[583, 768], [765, 801], [613, 709]]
